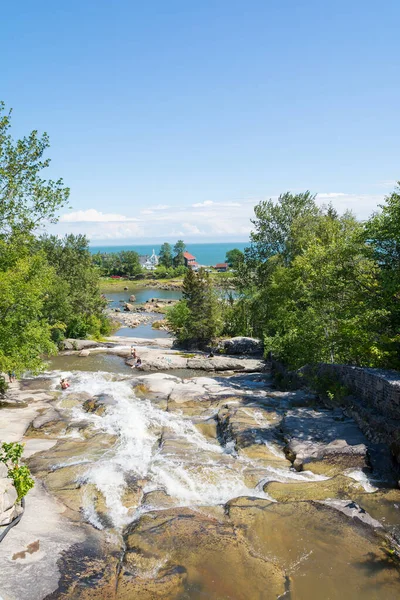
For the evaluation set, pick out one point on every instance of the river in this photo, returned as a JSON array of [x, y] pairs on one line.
[[181, 489]]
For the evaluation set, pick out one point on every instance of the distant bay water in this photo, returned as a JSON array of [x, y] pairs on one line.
[[206, 254]]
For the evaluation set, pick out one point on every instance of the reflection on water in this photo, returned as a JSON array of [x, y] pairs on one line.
[[145, 331], [107, 363], [142, 295]]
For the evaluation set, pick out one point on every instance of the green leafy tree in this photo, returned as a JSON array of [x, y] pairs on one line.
[[25, 333], [26, 199], [382, 235], [179, 250], [234, 257], [273, 225], [196, 320], [75, 299], [165, 255]]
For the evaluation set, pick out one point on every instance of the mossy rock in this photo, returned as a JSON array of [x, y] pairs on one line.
[[337, 487]]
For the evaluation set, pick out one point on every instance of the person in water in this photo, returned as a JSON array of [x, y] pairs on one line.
[[64, 384]]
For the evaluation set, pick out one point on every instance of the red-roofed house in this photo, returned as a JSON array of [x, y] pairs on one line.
[[190, 260], [221, 267]]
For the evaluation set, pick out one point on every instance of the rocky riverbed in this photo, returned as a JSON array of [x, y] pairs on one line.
[[153, 487]]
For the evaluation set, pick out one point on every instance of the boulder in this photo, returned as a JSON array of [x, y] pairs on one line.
[[84, 353], [128, 307], [132, 298], [117, 310], [8, 498], [242, 345]]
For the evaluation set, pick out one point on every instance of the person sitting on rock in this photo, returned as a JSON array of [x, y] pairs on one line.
[[64, 384], [138, 362]]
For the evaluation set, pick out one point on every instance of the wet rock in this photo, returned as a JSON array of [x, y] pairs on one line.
[[99, 404], [337, 487], [132, 298], [383, 505], [354, 511], [201, 549], [84, 353], [128, 307]]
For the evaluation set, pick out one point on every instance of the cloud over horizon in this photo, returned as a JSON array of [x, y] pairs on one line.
[[208, 220]]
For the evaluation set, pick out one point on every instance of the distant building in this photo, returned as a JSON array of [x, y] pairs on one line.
[[149, 262], [190, 260], [221, 267]]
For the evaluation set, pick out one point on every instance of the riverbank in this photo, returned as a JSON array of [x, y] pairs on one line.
[[150, 486]]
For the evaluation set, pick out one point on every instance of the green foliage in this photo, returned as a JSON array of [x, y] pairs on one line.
[[165, 255], [10, 455], [234, 258], [25, 334], [196, 319], [22, 480], [3, 385], [315, 286], [162, 272], [124, 263], [74, 299], [179, 250], [382, 234], [26, 199], [327, 386]]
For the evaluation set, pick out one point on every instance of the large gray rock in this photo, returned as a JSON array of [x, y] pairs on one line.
[[242, 345], [129, 307], [132, 298]]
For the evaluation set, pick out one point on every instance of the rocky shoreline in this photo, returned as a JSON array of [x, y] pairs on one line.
[[153, 486]]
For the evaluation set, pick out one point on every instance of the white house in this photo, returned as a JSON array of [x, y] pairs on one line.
[[149, 262]]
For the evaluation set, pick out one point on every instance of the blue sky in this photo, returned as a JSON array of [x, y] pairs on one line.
[[173, 118]]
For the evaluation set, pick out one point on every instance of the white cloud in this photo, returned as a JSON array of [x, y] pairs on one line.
[[208, 203], [325, 196], [160, 207], [362, 205], [92, 216], [200, 221]]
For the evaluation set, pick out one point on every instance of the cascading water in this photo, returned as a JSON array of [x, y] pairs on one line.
[[193, 471]]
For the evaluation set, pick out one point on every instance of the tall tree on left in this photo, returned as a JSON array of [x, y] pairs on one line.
[[27, 200]]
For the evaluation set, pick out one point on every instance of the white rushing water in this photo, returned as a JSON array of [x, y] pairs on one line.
[[191, 469]]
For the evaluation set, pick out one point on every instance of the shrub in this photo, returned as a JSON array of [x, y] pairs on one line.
[[3, 385], [10, 455]]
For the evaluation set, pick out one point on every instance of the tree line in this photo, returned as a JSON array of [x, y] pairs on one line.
[[49, 287], [314, 285], [126, 263]]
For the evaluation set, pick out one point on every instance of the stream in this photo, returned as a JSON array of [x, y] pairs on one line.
[[181, 489]]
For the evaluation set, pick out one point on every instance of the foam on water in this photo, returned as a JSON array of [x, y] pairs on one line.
[[362, 478], [205, 474]]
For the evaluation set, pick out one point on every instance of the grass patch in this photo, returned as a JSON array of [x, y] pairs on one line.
[[186, 355]]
